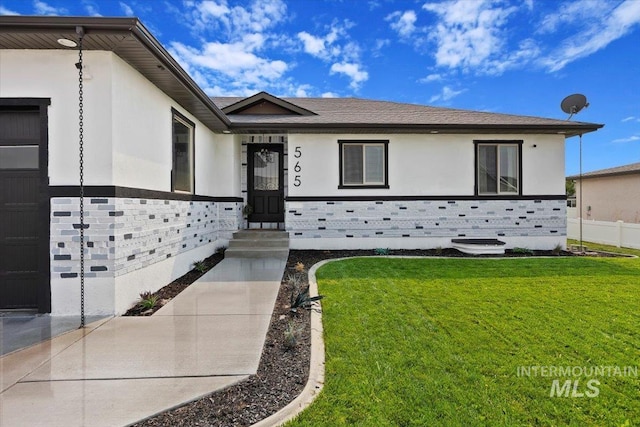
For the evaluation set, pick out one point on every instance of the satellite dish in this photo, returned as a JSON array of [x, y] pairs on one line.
[[573, 104]]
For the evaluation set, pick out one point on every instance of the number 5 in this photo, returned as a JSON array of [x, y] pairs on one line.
[[297, 153]]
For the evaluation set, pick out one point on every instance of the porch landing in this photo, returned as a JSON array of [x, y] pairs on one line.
[[126, 369]]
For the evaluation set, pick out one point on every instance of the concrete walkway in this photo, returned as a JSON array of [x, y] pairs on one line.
[[125, 369]]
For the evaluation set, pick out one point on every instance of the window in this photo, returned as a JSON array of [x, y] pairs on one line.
[[183, 154], [498, 167], [19, 157], [363, 164]]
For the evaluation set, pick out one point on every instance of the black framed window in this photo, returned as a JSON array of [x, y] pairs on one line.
[[364, 164], [183, 171], [498, 168]]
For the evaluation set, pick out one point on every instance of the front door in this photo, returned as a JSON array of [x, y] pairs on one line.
[[265, 182]]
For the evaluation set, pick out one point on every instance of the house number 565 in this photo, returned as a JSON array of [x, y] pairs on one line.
[[297, 181]]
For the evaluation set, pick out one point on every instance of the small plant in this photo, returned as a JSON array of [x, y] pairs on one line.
[[299, 267], [148, 300], [221, 250], [381, 251], [439, 250], [301, 299], [200, 266], [291, 335], [557, 249], [523, 251], [295, 281]]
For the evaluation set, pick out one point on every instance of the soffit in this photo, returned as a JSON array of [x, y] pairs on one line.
[[128, 39]]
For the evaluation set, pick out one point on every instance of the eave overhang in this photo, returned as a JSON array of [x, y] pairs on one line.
[[127, 38], [326, 128]]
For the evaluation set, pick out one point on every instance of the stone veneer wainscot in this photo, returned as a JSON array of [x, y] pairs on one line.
[[127, 234]]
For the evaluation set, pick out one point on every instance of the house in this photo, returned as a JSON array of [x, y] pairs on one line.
[[168, 171], [611, 194]]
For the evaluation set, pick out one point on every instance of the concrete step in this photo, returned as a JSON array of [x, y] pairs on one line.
[[256, 253], [259, 243], [260, 234]]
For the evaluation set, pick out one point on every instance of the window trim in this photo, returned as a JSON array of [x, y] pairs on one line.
[[176, 115], [476, 169], [385, 145]]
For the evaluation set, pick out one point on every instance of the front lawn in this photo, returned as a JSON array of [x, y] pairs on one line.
[[424, 342]]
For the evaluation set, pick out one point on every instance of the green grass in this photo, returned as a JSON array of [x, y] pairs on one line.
[[438, 342]]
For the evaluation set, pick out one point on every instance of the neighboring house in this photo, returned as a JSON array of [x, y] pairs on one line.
[[610, 194], [168, 171]]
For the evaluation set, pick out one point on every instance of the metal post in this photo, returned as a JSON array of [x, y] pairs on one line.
[[580, 208]]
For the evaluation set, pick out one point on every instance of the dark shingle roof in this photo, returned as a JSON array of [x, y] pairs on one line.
[[632, 168], [363, 114]]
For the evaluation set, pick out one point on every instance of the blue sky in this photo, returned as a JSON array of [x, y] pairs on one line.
[[517, 57]]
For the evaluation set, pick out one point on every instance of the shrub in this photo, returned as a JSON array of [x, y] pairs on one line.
[[381, 251], [148, 300], [523, 251], [200, 266], [301, 299], [292, 335]]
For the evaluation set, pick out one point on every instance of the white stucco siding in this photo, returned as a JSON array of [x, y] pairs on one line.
[[218, 165], [424, 165], [543, 165], [142, 129], [52, 74]]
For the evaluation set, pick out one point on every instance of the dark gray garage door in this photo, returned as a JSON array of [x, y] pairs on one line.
[[20, 194]]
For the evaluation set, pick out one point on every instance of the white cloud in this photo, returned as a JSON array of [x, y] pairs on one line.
[[631, 119], [214, 15], [574, 12], [42, 8], [630, 139], [431, 78], [233, 55], [403, 22], [329, 95], [313, 45], [596, 25], [91, 9], [324, 47], [352, 71], [446, 95], [126, 9], [233, 60], [469, 34], [5, 11], [336, 48]]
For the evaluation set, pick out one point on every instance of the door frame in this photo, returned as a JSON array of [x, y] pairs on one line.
[[44, 202], [251, 149]]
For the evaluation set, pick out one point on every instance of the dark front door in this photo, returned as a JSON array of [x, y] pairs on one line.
[[265, 176], [19, 208]]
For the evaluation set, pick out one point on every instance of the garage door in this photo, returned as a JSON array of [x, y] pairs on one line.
[[20, 193]]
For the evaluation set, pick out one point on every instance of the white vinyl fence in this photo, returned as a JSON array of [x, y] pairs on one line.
[[617, 233]]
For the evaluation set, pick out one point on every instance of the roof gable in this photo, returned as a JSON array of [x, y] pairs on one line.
[[264, 103]]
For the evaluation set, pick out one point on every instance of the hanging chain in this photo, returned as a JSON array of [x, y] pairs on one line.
[[81, 145]]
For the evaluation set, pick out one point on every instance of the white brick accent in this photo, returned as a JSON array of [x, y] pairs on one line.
[[124, 235], [425, 218]]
